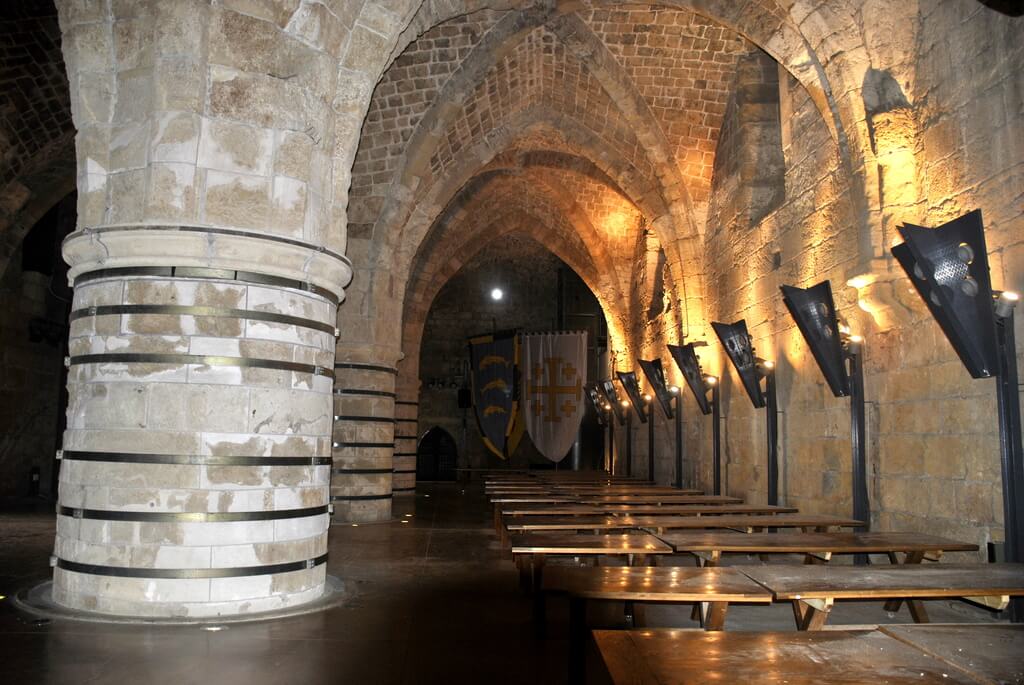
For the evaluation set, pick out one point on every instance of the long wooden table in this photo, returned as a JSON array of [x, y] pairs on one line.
[[714, 588], [677, 657], [658, 499], [814, 589], [991, 653], [821, 546], [642, 509], [656, 524], [530, 551]]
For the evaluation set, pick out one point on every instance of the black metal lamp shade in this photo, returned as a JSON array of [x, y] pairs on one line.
[[656, 377], [632, 388], [736, 341], [612, 395], [685, 358], [814, 311], [948, 266], [595, 401]]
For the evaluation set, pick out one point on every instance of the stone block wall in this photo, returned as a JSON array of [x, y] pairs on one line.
[[947, 139]]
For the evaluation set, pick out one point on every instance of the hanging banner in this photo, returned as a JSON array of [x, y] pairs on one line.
[[492, 376], [554, 368]]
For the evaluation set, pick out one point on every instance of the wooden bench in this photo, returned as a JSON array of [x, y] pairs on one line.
[[669, 657], [712, 588], [814, 589]]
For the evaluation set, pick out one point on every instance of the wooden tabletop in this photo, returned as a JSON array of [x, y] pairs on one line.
[[633, 543], [644, 509], [654, 584], [675, 522], [659, 499], [810, 543], [993, 652], [882, 582], [740, 521], [521, 524], [535, 499], [671, 657]]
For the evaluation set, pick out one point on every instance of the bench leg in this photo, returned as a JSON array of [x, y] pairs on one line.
[[815, 613], [893, 605], [715, 617], [577, 640], [917, 611]]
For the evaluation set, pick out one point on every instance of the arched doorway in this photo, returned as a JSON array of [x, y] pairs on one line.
[[436, 456]]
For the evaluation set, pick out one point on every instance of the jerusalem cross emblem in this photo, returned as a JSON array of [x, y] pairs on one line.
[[555, 387]]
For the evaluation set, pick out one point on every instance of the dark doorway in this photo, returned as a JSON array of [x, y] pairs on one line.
[[436, 456]]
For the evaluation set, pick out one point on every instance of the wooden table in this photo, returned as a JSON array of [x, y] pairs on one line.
[[496, 502], [992, 653], [658, 499], [712, 588], [642, 509], [676, 657], [658, 523], [814, 589], [820, 546], [530, 551], [745, 523]]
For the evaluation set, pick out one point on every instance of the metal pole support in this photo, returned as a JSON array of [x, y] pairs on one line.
[[650, 441], [772, 432], [679, 441], [858, 441], [629, 443], [716, 438], [1011, 453]]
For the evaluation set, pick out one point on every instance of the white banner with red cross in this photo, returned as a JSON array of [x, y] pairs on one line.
[[554, 368]]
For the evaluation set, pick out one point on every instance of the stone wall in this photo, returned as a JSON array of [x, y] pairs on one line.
[[946, 134], [528, 275]]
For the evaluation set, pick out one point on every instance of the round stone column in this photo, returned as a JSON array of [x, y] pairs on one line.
[[196, 461], [364, 439], [406, 440]]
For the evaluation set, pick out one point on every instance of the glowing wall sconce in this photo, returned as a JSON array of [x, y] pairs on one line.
[[615, 411], [948, 266], [603, 411], [840, 357], [751, 369], [685, 357], [656, 377], [632, 388]]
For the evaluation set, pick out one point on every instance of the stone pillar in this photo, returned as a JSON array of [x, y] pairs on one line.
[[406, 423], [207, 271], [406, 441], [364, 438]]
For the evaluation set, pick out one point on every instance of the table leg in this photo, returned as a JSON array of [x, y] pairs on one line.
[[815, 613], [537, 575], [715, 617], [893, 605], [523, 564], [577, 640], [917, 611]]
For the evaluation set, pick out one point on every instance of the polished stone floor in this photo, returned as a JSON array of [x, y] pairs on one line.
[[431, 600]]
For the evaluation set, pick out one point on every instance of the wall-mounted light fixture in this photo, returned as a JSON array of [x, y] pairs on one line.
[[655, 374], [839, 354], [685, 357], [751, 370], [632, 388], [948, 266]]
